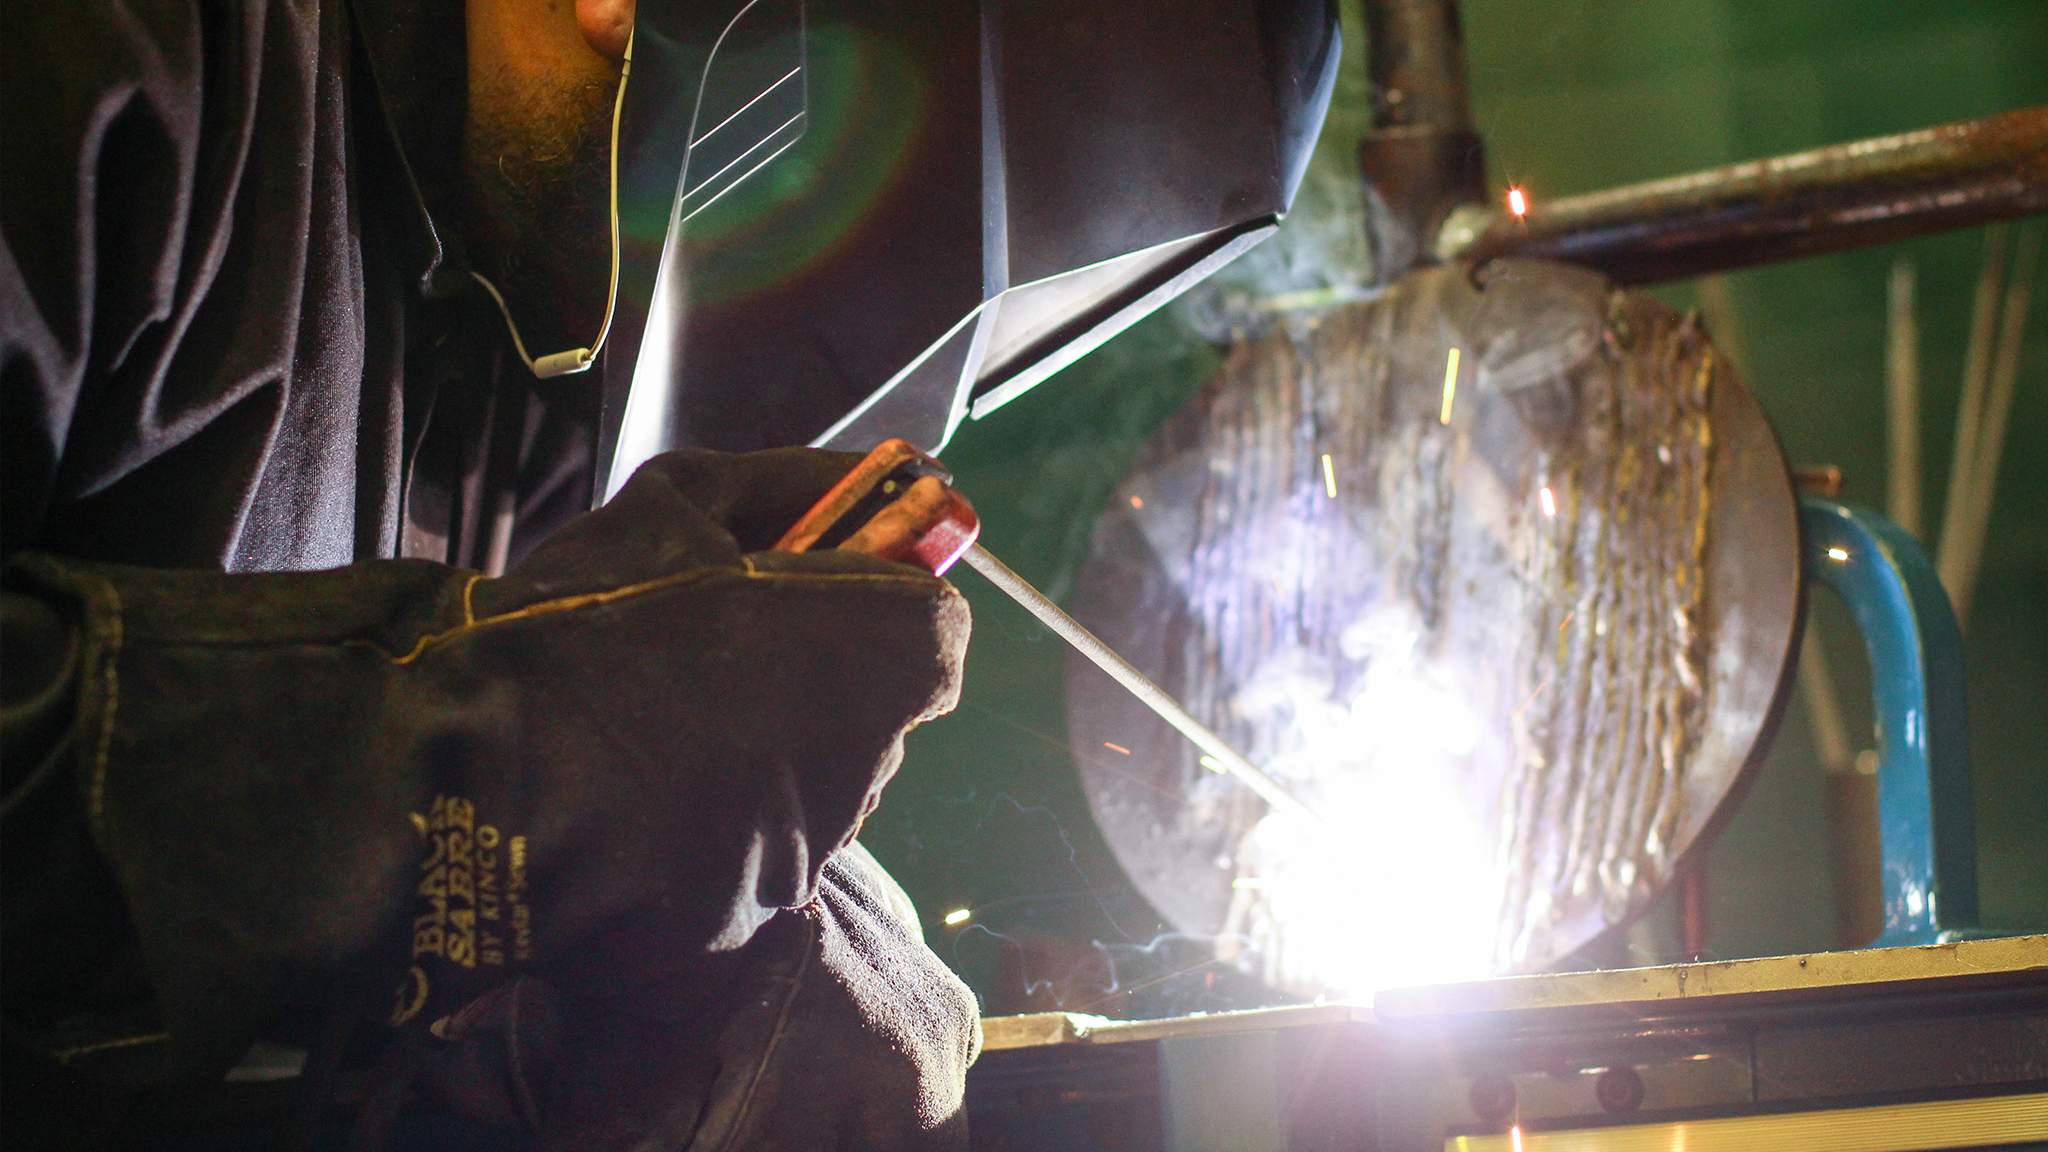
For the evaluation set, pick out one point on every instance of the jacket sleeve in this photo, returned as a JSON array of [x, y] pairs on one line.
[[100, 106], [102, 237]]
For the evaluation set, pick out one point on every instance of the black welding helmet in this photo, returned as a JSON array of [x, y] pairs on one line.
[[840, 220]]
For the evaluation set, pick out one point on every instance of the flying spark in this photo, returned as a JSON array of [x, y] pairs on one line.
[[1247, 883], [1212, 764], [1549, 501], [1117, 748], [958, 916], [1450, 387], [1329, 476], [1518, 201], [1838, 555], [1137, 502], [1515, 1137]]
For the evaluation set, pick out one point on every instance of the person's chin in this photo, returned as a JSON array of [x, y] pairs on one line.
[[550, 255]]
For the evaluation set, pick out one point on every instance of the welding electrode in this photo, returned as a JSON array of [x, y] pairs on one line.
[[897, 503], [1135, 682]]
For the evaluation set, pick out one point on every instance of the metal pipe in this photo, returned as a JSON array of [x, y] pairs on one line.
[[1137, 683], [1421, 159], [1829, 199]]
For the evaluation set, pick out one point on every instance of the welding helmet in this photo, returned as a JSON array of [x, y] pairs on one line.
[[840, 220]]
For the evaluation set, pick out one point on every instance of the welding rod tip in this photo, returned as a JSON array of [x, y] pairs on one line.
[[1135, 682]]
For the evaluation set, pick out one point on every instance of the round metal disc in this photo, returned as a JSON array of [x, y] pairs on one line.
[[1500, 580]]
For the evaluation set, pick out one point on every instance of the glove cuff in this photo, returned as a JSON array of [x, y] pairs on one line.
[[235, 772]]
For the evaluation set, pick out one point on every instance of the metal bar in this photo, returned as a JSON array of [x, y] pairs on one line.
[[1826, 200], [1811, 976], [1137, 683], [1421, 158], [1415, 58]]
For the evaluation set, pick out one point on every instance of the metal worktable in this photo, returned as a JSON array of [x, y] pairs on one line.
[[1936, 1046]]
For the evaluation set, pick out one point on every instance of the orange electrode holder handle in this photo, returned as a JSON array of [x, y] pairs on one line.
[[897, 504]]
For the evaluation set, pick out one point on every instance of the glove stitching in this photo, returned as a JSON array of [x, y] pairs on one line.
[[529, 1106], [96, 802], [598, 599], [67, 1055]]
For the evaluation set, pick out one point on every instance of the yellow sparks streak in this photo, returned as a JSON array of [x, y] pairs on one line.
[[1549, 500], [1515, 1137], [1117, 748], [1329, 476], [1212, 764], [1838, 555], [1247, 883], [1450, 388], [958, 916]]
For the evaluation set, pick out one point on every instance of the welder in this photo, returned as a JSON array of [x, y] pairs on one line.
[[345, 749]]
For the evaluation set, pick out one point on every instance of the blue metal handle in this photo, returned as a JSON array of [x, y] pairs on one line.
[[1925, 806]]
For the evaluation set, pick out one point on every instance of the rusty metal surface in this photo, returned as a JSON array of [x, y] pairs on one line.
[[1526, 708], [1828, 199]]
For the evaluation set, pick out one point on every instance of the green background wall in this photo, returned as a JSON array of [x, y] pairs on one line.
[[1570, 97]]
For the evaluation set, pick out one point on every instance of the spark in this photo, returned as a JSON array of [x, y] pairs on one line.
[[1450, 387], [1518, 201], [1838, 555], [959, 916], [1515, 1137], [1247, 883], [1137, 502], [1549, 501], [1116, 748], [1213, 764], [1329, 476], [1539, 690]]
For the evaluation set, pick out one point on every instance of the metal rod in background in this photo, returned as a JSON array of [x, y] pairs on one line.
[[1764, 211], [1421, 158], [1137, 683]]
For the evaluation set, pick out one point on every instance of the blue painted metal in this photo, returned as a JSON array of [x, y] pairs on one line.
[[1925, 807]]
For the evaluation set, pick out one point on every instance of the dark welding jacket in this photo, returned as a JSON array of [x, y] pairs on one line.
[[237, 335]]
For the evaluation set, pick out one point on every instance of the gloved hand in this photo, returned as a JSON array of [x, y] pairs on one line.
[[607, 768], [840, 1030]]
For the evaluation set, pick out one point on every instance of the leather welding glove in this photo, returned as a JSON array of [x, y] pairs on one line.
[[839, 1030], [607, 768]]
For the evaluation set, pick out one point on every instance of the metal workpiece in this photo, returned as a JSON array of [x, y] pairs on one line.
[[1500, 580], [1765, 211]]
